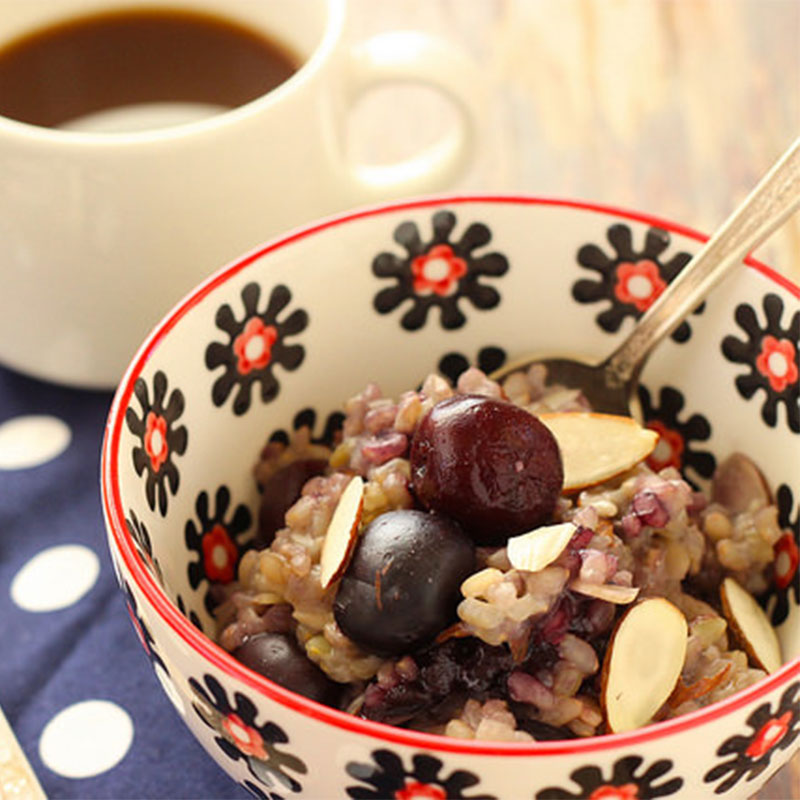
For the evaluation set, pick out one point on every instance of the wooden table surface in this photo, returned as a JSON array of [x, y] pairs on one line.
[[675, 107]]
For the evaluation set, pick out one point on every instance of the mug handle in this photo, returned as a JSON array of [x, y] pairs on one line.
[[412, 56]]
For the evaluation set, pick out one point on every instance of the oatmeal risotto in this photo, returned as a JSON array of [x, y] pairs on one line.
[[442, 570]]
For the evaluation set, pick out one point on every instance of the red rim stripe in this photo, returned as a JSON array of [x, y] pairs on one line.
[[207, 649]]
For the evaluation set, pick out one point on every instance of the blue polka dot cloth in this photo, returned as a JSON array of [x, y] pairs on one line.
[[75, 685]]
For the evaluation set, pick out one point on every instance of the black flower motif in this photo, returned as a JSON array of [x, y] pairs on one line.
[[438, 272], [188, 613], [160, 439], [307, 418], [771, 354], [674, 447], [785, 572], [631, 280], [144, 546], [488, 360], [217, 542], [256, 343], [142, 630], [240, 738], [624, 783], [388, 777], [771, 731]]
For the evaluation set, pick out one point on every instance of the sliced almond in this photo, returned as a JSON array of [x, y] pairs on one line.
[[540, 547], [597, 447], [643, 662], [340, 538], [750, 626], [621, 595]]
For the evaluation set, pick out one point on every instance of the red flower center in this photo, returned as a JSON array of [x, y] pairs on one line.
[[220, 555], [253, 346], [668, 451], [438, 270], [155, 440], [246, 739], [786, 560], [420, 791], [639, 284], [770, 734], [777, 362], [628, 791]]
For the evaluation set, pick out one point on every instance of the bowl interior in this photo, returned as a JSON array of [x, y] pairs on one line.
[[283, 337]]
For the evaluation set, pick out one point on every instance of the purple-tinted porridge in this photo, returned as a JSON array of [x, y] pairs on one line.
[[494, 651]]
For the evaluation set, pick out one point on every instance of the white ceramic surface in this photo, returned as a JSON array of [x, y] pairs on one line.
[[190, 417], [101, 232]]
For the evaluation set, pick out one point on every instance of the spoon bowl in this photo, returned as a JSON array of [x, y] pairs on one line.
[[610, 385], [598, 384]]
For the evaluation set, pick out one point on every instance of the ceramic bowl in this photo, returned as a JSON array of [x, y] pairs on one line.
[[500, 277]]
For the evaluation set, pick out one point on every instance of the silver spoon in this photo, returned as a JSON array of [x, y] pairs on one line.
[[17, 778], [610, 385]]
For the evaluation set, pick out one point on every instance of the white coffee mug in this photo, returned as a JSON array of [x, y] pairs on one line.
[[101, 232]]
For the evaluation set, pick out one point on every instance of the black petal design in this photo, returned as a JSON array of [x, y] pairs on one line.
[[626, 778], [770, 351], [190, 615], [676, 445], [629, 279], [785, 582], [256, 343], [307, 418], [144, 546], [438, 273], [489, 358], [239, 737], [387, 776], [161, 439], [142, 630], [217, 540], [752, 753]]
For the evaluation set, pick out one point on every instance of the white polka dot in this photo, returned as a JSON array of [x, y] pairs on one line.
[[32, 440], [86, 739], [55, 578]]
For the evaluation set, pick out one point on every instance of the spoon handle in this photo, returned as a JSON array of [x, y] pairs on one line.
[[774, 199], [17, 779]]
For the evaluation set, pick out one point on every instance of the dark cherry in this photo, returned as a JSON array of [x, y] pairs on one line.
[[488, 464], [401, 587], [280, 493], [277, 656]]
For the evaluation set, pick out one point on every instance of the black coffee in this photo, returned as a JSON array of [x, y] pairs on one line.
[[114, 59]]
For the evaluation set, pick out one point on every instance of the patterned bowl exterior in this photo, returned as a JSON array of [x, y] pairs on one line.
[[283, 336]]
